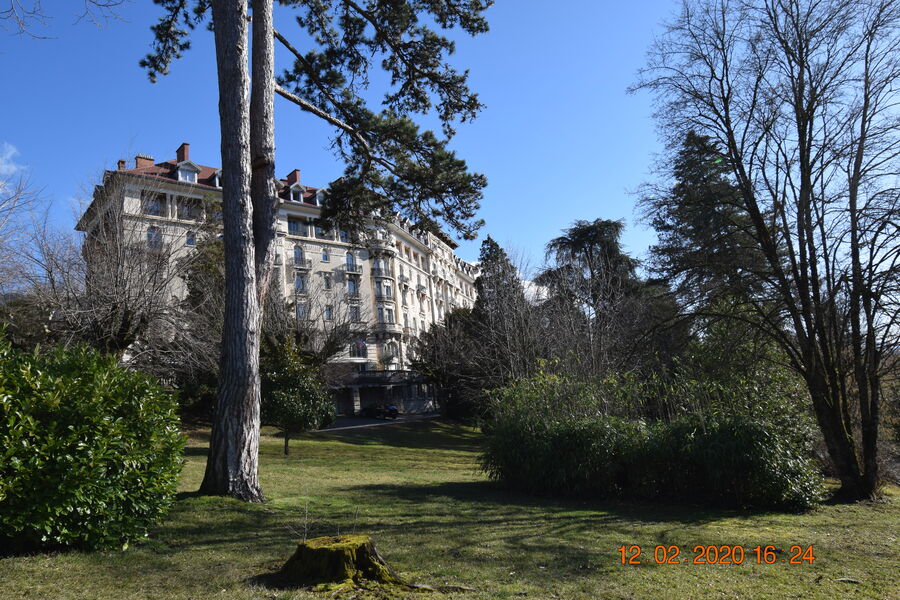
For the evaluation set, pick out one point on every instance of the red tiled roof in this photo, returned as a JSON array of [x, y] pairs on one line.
[[206, 177]]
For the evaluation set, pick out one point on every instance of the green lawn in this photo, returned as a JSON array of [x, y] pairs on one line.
[[416, 488]]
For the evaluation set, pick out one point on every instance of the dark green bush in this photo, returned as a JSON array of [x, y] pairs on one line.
[[731, 461], [552, 436], [294, 397], [90, 453]]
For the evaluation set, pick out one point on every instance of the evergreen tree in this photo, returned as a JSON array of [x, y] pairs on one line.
[[392, 166]]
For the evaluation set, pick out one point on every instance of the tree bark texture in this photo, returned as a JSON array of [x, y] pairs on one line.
[[232, 466], [262, 144]]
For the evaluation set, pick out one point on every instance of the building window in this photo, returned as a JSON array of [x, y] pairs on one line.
[[190, 239], [387, 289], [351, 260], [298, 256], [154, 238], [300, 283], [329, 312], [354, 313], [326, 280], [300, 311], [326, 256], [320, 198], [188, 175], [152, 203], [217, 181], [353, 286], [380, 314], [295, 227], [345, 235], [187, 209], [389, 315], [358, 349], [297, 195]]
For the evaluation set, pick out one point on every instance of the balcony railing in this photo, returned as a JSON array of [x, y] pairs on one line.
[[388, 327], [353, 268], [300, 263], [381, 297], [382, 272], [353, 295], [380, 244], [421, 288], [404, 279]]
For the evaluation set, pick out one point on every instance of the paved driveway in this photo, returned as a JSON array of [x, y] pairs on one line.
[[356, 422]]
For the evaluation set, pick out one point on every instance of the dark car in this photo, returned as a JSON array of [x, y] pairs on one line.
[[379, 411]]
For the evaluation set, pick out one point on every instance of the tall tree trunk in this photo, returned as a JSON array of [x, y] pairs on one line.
[[232, 468], [262, 144]]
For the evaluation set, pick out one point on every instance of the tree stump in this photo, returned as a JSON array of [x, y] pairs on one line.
[[338, 559]]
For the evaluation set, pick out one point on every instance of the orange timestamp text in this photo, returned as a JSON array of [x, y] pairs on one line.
[[717, 555]]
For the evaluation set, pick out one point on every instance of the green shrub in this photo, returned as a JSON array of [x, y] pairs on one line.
[[554, 436], [294, 397], [550, 435], [732, 461], [91, 452]]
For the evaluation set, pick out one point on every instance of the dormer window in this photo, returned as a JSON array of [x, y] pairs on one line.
[[296, 194], [320, 198], [217, 180], [187, 175]]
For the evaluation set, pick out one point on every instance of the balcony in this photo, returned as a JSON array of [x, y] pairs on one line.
[[422, 288], [382, 245], [387, 328], [300, 263], [404, 279], [382, 272], [354, 295], [352, 269], [384, 297]]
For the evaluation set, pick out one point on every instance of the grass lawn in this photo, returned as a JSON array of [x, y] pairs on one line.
[[416, 488]]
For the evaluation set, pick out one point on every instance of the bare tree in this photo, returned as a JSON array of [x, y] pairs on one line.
[[110, 288], [17, 201], [24, 17], [801, 96]]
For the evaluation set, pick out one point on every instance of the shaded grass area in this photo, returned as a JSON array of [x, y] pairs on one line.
[[416, 488]]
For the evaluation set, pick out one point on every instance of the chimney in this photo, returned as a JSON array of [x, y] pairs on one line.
[[183, 152], [121, 164], [142, 161], [293, 177]]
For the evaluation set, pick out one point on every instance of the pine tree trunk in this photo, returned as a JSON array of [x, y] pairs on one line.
[[232, 468], [262, 144]]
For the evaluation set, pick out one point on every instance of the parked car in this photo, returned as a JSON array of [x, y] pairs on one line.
[[380, 411]]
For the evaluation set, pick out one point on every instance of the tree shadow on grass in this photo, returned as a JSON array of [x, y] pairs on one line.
[[487, 494], [196, 451], [431, 434]]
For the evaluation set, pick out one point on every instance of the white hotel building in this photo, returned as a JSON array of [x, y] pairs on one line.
[[389, 290]]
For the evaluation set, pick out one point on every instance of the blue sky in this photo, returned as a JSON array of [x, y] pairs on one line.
[[560, 138]]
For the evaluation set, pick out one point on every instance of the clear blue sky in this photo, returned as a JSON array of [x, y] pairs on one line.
[[559, 140]]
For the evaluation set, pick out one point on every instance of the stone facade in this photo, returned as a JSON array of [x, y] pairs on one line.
[[389, 288]]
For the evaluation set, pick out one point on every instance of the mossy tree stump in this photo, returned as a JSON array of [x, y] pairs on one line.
[[338, 559]]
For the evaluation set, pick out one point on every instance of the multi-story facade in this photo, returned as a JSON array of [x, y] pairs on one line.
[[389, 288]]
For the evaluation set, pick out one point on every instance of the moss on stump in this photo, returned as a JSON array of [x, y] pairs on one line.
[[338, 559]]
